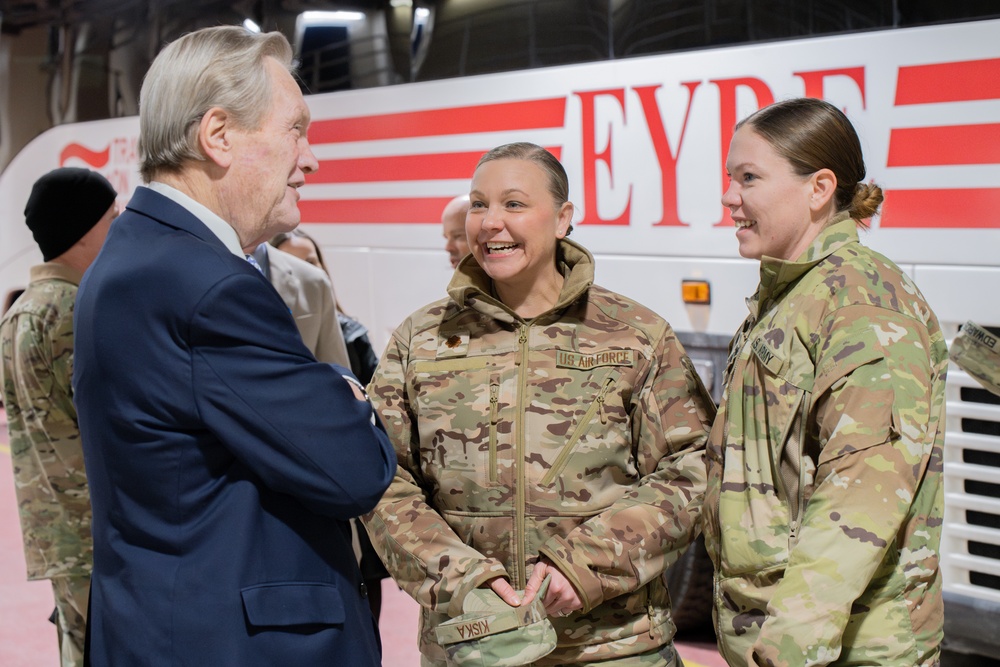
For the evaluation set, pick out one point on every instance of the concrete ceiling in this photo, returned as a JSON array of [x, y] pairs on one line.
[[16, 15]]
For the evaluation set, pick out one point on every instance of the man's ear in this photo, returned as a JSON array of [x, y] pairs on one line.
[[214, 136], [824, 186]]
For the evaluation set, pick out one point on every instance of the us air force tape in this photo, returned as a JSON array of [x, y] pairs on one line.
[[976, 350], [491, 633]]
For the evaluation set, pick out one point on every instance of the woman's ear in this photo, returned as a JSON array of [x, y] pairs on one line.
[[824, 187], [214, 136], [565, 219]]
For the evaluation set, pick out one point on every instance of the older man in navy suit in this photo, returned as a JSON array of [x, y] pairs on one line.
[[224, 460]]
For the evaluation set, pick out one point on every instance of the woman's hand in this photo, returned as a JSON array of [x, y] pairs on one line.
[[506, 592], [560, 598]]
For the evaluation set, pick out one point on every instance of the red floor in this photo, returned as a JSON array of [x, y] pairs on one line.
[[27, 639]]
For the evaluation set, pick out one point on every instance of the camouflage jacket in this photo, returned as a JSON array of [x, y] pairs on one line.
[[824, 504], [36, 344], [577, 434]]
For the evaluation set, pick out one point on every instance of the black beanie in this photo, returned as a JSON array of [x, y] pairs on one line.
[[64, 205]]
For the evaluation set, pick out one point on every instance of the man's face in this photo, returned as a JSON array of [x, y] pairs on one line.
[[271, 163], [455, 241]]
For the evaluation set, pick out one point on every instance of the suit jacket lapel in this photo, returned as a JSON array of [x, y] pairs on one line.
[[168, 212]]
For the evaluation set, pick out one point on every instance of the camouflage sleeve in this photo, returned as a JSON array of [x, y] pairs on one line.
[[634, 540], [975, 350], [421, 551], [39, 369], [45, 445], [877, 411]]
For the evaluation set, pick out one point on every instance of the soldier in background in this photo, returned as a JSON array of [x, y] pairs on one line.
[[69, 213], [453, 229]]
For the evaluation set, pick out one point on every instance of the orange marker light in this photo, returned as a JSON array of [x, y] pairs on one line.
[[696, 292]]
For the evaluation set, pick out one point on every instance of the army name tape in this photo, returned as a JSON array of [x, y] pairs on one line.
[[974, 332]]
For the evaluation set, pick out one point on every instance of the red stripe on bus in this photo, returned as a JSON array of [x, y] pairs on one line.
[[96, 159], [427, 167], [959, 208], [527, 115], [950, 144], [396, 168], [410, 210], [949, 82]]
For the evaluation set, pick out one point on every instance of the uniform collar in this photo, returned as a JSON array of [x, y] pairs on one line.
[[470, 285], [777, 274], [55, 271]]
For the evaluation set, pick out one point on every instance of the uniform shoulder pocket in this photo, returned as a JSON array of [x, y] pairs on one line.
[[856, 392], [846, 354]]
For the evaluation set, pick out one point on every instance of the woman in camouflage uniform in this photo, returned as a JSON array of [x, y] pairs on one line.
[[824, 505], [543, 425]]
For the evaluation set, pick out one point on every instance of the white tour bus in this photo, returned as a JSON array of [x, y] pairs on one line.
[[643, 140]]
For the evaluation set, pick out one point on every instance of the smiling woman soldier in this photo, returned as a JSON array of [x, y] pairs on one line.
[[545, 427], [824, 508]]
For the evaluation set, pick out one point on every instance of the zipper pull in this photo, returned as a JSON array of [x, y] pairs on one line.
[[600, 399], [494, 420], [524, 334], [494, 402]]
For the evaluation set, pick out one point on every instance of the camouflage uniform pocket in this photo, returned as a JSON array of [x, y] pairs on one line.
[[741, 608], [595, 411], [453, 415], [859, 399], [757, 502]]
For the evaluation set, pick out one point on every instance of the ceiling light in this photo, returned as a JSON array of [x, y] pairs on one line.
[[331, 18]]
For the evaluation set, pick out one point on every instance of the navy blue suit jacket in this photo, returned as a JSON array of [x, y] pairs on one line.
[[224, 461]]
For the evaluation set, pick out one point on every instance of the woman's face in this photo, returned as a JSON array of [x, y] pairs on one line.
[[770, 203], [514, 223], [301, 248]]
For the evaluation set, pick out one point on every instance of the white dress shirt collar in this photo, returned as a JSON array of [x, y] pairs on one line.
[[216, 225]]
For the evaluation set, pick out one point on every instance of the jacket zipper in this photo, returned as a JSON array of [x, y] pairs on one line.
[[581, 428], [718, 508], [520, 574], [494, 419]]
